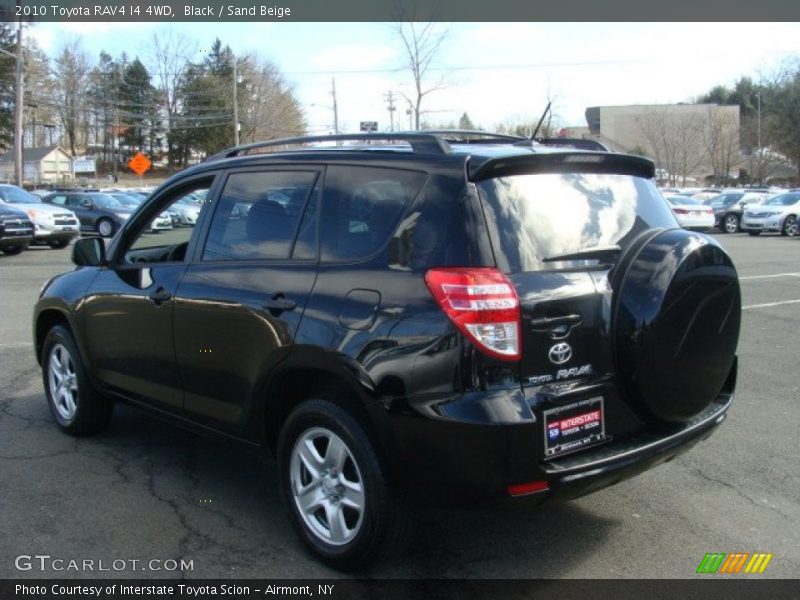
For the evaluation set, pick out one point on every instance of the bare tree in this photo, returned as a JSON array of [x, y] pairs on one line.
[[674, 140], [72, 67], [267, 106], [422, 42], [171, 57], [39, 92], [721, 140]]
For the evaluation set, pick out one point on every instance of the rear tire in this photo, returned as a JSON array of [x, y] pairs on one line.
[[336, 490], [77, 407], [789, 226], [105, 227], [730, 224]]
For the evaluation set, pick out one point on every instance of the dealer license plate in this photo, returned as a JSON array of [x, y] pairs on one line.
[[573, 426]]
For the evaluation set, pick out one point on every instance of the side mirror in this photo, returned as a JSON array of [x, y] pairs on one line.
[[89, 252]]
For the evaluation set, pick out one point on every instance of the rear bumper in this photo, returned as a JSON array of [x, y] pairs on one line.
[[467, 465], [578, 475], [699, 222]]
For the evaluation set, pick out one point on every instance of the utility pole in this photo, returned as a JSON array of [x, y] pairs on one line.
[[391, 108], [760, 153], [236, 105], [114, 141], [335, 107], [18, 100]]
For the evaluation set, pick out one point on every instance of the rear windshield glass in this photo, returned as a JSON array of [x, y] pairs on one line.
[[683, 201], [533, 217]]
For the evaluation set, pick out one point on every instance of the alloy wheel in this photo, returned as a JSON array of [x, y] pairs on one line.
[[731, 224], [105, 228], [63, 382], [790, 227], [327, 487]]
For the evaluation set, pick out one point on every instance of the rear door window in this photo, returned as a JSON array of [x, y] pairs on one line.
[[361, 208], [532, 217]]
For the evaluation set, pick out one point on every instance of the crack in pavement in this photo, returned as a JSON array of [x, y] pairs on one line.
[[739, 492]]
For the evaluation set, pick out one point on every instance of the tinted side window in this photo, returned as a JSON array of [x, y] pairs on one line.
[[257, 215], [361, 208], [59, 200]]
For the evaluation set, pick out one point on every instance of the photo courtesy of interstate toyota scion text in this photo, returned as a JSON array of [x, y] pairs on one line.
[[405, 319]]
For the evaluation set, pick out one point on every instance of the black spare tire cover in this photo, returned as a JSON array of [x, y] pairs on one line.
[[676, 324]]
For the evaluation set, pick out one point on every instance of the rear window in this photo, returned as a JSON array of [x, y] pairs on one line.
[[533, 217], [361, 208], [683, 201]]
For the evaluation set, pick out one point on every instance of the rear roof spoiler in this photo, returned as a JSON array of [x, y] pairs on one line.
[[578, 143], [563, 162]]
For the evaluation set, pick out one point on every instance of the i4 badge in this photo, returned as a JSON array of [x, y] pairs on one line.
[[560, 353]]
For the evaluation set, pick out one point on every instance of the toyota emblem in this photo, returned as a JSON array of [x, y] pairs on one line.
[[560, 353]]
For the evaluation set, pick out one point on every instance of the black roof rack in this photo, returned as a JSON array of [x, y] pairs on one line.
[[423, 143], [469, 136]]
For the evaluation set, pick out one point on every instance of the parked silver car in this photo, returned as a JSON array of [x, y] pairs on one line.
[[53, 225]]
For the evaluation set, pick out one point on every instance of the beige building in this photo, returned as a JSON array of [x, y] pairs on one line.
[[687, 141], [42, 165]]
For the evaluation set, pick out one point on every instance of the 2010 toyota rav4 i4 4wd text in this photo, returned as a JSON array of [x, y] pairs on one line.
[[409, 318]]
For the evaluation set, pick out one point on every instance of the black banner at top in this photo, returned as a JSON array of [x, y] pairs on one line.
[[396, 10]]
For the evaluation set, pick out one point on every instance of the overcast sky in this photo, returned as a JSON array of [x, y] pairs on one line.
[[496, 72]]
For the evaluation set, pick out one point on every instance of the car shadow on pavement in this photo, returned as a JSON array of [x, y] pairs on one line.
[[145, 488]]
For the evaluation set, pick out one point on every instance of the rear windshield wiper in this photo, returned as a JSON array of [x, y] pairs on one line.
[[601, 253]]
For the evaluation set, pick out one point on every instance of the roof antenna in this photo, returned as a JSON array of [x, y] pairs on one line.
[[541, 120]]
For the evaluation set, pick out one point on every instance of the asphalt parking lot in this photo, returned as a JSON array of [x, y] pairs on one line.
[[144, 490]]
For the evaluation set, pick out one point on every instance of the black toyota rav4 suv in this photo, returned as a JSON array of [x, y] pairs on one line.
[[405, 318]]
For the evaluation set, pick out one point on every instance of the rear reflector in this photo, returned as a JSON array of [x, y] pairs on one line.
[[522, 489], [483, 304]]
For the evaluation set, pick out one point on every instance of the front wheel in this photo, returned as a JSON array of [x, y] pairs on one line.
[[790, 226], [336, 490], [731, 224], [76, 406], [14, 250], [105, 227]]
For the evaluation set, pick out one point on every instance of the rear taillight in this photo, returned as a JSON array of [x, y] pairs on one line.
[[484, 306]]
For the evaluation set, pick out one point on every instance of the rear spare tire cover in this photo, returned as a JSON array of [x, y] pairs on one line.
[[676, 324]]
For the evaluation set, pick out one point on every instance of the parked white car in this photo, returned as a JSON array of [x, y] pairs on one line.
[[778, 213], [188, 211], [163, 222], [691, 213]]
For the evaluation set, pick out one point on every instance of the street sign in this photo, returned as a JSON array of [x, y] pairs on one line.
[[139, 164], [369, 126], [83, 164]]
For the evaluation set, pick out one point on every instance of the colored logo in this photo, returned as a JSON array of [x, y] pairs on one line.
[[560, 353], [734, 562], [553, 433]]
